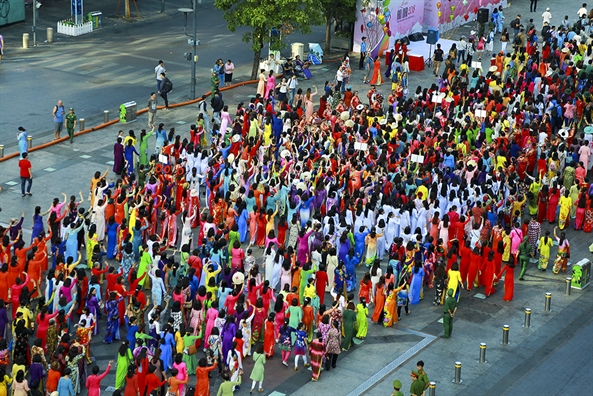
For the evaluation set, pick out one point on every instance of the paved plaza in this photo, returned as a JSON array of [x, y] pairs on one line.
[[551, 357]]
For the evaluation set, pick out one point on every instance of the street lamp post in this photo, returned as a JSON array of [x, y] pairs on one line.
[[194, 43], [194, 52]]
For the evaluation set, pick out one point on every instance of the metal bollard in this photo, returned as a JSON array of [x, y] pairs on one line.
[[50, 35], [25, 40], [432, 388], [527, 321], [105, 116], [567, 290], [548, 303], [505, 335], [457, 379], [81, 123], [30, 142], [1, 151], [482, 353]]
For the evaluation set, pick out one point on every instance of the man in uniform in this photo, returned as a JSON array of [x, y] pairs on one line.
[[71, 123], [417, 387], [397, 385], [450, 308], [422, 374]]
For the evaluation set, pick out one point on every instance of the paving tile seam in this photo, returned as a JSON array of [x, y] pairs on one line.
[[543, 339], [368, 384]]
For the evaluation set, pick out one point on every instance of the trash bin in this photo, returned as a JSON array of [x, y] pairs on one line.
[[298, 49], [97, 18], [581, 274], [128, 112]]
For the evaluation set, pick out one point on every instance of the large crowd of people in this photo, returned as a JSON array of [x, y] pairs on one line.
[[241, 240]]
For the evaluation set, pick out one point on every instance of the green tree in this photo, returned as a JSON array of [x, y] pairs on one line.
[[262, 16], [336, 10]]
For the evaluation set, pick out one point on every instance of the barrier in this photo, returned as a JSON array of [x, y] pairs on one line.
[[505, 334], [457, 379], [527, 320], [548, 302], [482, 353]]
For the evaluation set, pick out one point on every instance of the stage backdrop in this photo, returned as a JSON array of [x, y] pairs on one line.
[[450, 14], [383, 22]]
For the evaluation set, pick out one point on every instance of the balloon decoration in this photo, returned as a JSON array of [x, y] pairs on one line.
[[387, 14], [381, 19], [452, 8], [385, 29], [451, 17], [389, 33], [466, 17], [369, 24], [464, 2], [439, 14], [361, 29], [387, 24], [475, 10], [377, 10], [386, 3], [439, 5]]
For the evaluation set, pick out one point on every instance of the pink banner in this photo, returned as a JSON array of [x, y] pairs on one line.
[[383, 22], [450, 14]]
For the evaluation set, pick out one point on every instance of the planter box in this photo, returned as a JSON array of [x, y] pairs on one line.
[[74, 30]]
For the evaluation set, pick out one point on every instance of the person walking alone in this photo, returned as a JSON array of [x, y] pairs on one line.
[[229, 67], [26, 174], [152, 105], [158, 70], [22, 139], [450, 308], [166, 87], [58, 115], [533, 6], [363, 53], [437, 58], [71, 124]]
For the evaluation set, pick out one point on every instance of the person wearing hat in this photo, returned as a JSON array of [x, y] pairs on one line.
[[450, 308], [397, 385], [214, 83], [417, 387], [546, 16], [71, 123]]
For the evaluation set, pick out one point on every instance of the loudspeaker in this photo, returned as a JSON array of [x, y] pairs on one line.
[[483, 15], [416, 37], [432, 37]]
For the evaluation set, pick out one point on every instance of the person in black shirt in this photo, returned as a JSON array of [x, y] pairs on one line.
[[437, 58]]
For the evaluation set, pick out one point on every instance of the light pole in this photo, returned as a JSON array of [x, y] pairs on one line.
[[194, 52], [193, 41]]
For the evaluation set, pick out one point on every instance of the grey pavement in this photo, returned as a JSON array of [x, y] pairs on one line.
[[112, 65], [547, 358]]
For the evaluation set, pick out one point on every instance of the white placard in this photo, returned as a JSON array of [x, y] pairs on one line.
[[418, 158], [481, 113], [163, 159], [476, 65], [360, 146], [437, 99]]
